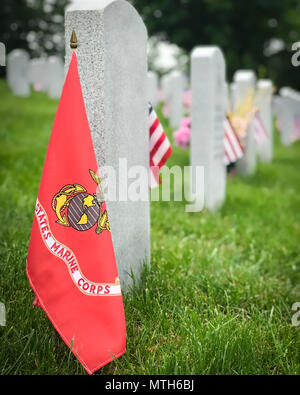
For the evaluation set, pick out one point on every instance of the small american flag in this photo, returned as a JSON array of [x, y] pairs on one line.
[[260, 132], [233, 147], [160, 147]]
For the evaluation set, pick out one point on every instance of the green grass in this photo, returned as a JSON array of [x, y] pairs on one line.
[[218, 297]]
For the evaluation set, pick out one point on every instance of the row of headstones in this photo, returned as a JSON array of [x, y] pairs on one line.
[[112, 65], [172, 88], [210, 102], [211, 99], [259, 94], [43, 74]]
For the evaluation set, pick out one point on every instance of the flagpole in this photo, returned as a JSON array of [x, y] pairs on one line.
[[73, 40]]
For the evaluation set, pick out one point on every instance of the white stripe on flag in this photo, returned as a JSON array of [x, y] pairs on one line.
[[152, 117], [235, 144], [228, 150], [155, 136], [160, 153], [233, 149]]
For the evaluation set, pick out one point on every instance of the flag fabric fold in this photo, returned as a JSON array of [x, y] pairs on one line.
[[71, 264]]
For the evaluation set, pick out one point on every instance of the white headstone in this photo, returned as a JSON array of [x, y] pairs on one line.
[[38, 74], [152, 88], [2, 54], [264, 103], [207, 124], [17, 72], [165, 84], [176, 96], [289, 111], [232, 95], [112, 64], [295, 97], [277, 102], [245, 86], [227, 97], [56, 75]]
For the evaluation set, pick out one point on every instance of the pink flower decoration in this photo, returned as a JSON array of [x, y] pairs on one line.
[[186, 122], [182, 136]]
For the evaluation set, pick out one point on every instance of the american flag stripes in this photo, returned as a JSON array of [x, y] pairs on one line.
[[260, 132], [233, 147], [160, 147]]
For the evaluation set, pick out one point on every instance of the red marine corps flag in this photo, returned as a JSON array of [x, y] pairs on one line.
[[71, 264]]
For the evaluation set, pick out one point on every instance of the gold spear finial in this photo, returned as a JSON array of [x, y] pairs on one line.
[[73, 41]]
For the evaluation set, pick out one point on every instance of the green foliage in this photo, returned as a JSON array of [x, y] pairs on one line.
[[34, 25], [218, 297], [243, 29]]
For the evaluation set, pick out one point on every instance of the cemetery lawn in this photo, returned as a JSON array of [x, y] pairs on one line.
[[218, 298]]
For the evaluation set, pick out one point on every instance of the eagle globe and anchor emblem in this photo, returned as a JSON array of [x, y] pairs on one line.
[[77, 208]]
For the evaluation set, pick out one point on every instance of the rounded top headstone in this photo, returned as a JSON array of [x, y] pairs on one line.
[[16, 53], [112, 65], [175, 73], [90, 5], [285, 91], [244, 76], [82, 5], [292, 93], [264, 84], [206, 51], [17, 72], [55, 60], [209, 53]]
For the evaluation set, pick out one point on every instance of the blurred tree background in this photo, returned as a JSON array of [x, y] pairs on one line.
[[34, 25], [255, 34]]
